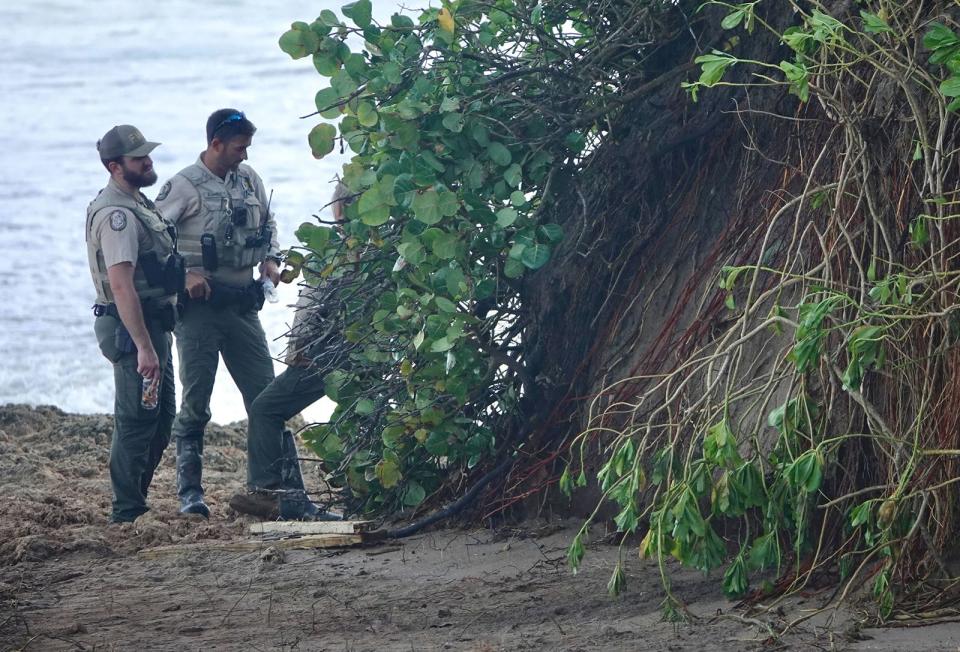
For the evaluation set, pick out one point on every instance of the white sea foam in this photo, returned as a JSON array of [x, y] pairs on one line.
[[71, 70]]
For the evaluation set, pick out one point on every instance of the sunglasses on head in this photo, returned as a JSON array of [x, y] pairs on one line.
[[236, 117]]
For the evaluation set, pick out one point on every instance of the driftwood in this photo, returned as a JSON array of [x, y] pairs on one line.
[[287, 528], [299, 543]]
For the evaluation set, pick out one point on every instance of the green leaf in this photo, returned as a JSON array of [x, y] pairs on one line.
[[388, 473], [437, 444], [535, 255], [941, 40], [919, 234], [322, 139], [861, 513], [401, 22], [798, 75], [499, 154], [329, 18], [414, 494], [617, 580], [448, 203], [360, 12], [299, 41], [449, 104], [426, 207], [713, 66], [826, 27], [566, 482], [513, 268], [428, 157], [873, 24], [733, 19], [480, 134], [313, 236], [576, 141], [456, 282], [806, 472], [453, 122], [356, 66], [327, 102], [391, 72], [333, 382], [446, 305], [551, 232], [412, 252], [950, 87], [798, 40], [506, 217], [575, 553], [735, 578], [517, 198], [765, 552], [326, 64], [372, 209], [364, 407], [440, 345], [445, 246], [815, 477], [512, 175], [343, 83], [367, 114]]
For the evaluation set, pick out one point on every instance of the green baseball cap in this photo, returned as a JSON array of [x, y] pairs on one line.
[[124, 140]]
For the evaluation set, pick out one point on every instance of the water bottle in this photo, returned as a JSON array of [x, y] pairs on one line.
[[269, 290], [150, 396]]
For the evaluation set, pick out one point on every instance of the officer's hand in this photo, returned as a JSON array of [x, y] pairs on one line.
[[148, 365], [197, 286], [269, 269]]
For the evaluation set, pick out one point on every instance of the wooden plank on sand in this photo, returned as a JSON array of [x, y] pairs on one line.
[[300, 543], [311, 527]]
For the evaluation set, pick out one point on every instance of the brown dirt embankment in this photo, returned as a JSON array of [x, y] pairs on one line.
[[71, 581]]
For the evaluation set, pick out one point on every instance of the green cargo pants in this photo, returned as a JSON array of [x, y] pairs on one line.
[[139, 436], [203, 335], [286, 396]]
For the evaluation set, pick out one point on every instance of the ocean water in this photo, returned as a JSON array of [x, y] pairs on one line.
[[70, 71]]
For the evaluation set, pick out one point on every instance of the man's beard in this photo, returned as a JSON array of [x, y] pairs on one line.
[[140, 180]]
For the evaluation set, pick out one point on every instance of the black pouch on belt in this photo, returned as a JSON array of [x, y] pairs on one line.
[[223, 296], [255, 297], [122, 339], [165, 317], [174, 274], [208, 252]]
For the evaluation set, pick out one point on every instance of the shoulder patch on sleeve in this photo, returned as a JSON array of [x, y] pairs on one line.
[[165, 191], [118, 220]]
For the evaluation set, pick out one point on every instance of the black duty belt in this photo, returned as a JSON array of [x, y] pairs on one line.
[[164, 315], [241, 299]]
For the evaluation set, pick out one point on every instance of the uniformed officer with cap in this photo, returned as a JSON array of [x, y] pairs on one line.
[[225, 230], [137, 275], [275, 487]]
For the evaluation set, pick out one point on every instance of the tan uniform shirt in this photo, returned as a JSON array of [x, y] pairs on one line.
[[179, 201], [118, 233], [302, 332]]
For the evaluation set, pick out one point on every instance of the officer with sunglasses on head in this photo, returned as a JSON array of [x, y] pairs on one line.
[[225, 229]]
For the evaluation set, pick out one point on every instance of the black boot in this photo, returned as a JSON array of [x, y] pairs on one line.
[[295, 504], [189, 472]]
